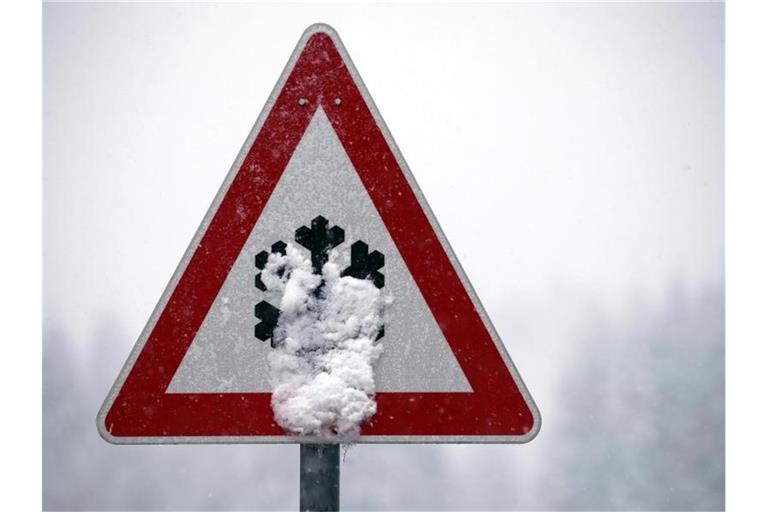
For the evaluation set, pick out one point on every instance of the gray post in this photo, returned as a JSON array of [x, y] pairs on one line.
[[319, 477]]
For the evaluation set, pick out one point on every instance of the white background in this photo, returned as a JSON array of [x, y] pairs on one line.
[[573, 155], [566, 247]]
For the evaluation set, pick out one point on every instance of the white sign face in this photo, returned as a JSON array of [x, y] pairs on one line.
[[318, 163], [319, 180]]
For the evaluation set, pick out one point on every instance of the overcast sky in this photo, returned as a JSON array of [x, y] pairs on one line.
[[582, 143]]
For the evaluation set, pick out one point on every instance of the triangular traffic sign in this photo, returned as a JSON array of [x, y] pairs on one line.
[[319, 155]]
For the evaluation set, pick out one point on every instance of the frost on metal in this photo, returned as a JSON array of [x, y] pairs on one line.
[[324, 331]]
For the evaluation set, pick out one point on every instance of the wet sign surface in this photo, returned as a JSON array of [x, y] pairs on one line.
[[319, 175]]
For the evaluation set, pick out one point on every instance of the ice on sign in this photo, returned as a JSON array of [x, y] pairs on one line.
[[323, 331], [324, 338]]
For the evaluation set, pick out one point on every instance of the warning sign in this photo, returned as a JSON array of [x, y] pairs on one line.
[[319, 174]]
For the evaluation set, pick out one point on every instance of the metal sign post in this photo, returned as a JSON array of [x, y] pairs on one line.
[[319, 477]]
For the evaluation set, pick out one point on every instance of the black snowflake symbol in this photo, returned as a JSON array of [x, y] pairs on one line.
[[319, 239]]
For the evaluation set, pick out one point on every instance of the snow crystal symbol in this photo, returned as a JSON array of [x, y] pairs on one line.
[[261, 261], [319, 240]]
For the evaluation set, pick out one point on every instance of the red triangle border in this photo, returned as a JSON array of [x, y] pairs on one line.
[[499, 409]]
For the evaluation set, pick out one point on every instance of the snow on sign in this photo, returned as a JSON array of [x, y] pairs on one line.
[[319, 296]]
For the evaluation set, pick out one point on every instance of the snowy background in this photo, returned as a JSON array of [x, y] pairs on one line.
[[573, 155]]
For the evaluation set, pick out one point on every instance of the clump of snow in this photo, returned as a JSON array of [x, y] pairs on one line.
[[321, 368]]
